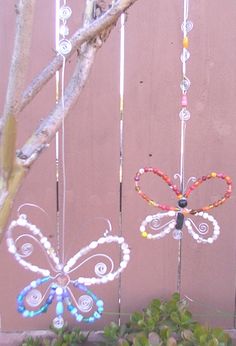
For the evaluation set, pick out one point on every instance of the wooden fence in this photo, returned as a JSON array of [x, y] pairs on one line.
[[151, 137]]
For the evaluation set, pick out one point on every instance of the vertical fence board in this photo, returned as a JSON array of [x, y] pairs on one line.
[[208, 275], [39, 185], [152, 73]]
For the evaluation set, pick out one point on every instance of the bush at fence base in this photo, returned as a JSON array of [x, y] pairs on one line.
[[162, 323]]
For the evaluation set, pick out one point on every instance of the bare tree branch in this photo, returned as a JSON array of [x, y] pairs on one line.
[[47, 129], [88, 39], [84, 34], [20, 56], [16, 80]]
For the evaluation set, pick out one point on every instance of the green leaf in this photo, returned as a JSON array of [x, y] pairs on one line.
[[175, 317]]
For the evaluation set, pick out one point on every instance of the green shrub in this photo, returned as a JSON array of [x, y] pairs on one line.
[[167, 323], [162, 323]]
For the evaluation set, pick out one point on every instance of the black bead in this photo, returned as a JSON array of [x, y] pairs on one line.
[[182, 203]]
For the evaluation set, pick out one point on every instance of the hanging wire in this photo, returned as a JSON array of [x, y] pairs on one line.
[[122, 78], [63, 47]]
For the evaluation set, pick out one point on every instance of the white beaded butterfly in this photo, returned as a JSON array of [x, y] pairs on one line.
[[59, 278]]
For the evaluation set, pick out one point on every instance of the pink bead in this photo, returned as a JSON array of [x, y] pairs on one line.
[[184, 101]]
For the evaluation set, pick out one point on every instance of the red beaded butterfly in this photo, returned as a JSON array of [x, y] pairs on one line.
[[179, 212]]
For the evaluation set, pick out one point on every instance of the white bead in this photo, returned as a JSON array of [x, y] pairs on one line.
[[124, 246], [110, 277], [141, 171], [66, 269], [171, 213], [12, 249], [45, 272], [47, 245], [126, 251], [195, 236], [33, 284], [187, 223], [123, 264], [205, 216], [93, 245], [34, 229], [149, 236], [43, 240], [21, 262], [34, 269], [149, 218], [71, 262], [101, 240], [210, 240], [142, 228], [56, 259], [172, 225], [59, 291], [104, 280], [126, 258], [21, 221], [121, 240]]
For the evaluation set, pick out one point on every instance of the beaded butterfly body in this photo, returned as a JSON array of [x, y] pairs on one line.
[[181, 211], [60, 284]]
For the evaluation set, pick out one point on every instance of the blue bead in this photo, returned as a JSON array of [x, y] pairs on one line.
[[50, 299], [97, 315], [70, 307], [79, 317], [31, 314], [100, 303], [65, 294], [25, 313], [20, 308], [46, 279], [91, 319], [74, 311], [82, 287], [95, 298], [100, 310], [44, 308], [59, 308], [20, 298]]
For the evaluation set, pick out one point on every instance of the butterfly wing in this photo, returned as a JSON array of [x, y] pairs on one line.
[[97, 259], [21, 245], [200, 230], [31, 302], [158, 225]]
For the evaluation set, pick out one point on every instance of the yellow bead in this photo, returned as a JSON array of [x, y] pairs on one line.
[[213, 174], [185, 42], [144, 234]]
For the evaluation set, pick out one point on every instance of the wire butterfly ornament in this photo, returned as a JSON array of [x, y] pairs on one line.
[[58, 277], [180, 214]]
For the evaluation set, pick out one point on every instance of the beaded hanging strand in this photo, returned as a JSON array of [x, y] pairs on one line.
[[185, 84], [179, 217], [184, 116]]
